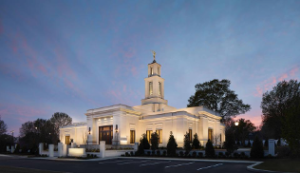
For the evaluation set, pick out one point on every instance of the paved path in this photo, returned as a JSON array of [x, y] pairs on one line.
[[126, 165]]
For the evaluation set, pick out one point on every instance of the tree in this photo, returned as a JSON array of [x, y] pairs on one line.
[[154, 141], [275, 104], [26, 128], [209, 149], [291, 128], [3, 127], [243, 129], [60, 119], [172, 145], [144, 144], [217, 96], [257, 149], [196, 142], [187, 143], [230, 143]]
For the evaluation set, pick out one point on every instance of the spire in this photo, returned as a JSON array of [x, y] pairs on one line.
[[154, 53]]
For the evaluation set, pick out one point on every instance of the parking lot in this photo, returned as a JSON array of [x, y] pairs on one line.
[[126, 165]]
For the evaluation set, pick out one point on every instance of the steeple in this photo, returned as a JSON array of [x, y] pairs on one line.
[[154, 84]]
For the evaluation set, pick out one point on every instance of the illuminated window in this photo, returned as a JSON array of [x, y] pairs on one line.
[[210, 134], [190, 135], [159, 88], [159, 132], [148, 133], [158, 70], [151, 70], [132, 136], [150, 88]]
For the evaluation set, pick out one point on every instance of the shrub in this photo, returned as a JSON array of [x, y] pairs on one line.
[[88, 155], [158, 153], [257, 150], [153, 153], [236, 155], [194, 154], [221, 155], [172, 145], [187, 143], [164, 153], [144, 144], [181, 154], [196, 142], [148, 153], [209, 149], [243, 154], [200, 154], [227, 154], [131, 153], [283, 151], [127, 154], [230, 143], [154, 141]]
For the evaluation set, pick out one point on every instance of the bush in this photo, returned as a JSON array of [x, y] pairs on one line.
[[127, 154], [148, 153], [200, 155], [227, 154], [164, 153], [144, 144], [221, 155], [187, 143], [257, 150], [230, 143], [283, 151], [209, 149], [243, 154], [131, 153], [172, 145], [196, 142], [158, 153], [194, 154], [154, 141], [181, 154]]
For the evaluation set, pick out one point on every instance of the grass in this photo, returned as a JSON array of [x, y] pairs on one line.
[[10, 169], [282, 165]]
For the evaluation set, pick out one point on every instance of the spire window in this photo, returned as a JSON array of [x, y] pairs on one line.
[[150, 88]]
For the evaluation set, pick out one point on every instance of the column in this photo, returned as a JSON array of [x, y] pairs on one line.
[[51, 150], [102, 149]]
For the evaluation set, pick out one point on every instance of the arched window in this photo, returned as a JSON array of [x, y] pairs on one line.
[[159, 88], [151, 71], [158, 71], [150, 88]]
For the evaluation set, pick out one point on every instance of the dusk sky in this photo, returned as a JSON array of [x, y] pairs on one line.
[[71, 56]]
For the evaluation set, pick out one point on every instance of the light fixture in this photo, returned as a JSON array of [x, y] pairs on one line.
[[236, 123], [89, 130], [117, 128]]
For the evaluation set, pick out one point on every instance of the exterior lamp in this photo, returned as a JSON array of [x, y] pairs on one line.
[[117, 130], [236, 123], [89, 130]]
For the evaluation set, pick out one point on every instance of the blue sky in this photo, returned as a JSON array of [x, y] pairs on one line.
[[70, 56]]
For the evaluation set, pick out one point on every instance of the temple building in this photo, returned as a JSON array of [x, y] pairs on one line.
[[121, 124]]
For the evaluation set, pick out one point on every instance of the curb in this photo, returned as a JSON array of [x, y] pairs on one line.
[[199, 160], [250, 168]]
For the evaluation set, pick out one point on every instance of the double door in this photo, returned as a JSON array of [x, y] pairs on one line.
[[106, 134]]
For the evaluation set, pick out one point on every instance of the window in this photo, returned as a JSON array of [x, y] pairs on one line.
[[67, 140], [190, 135], [132, 136], [159, 88], [158, 70], [148, 133], [210, 134], [150, 88], [159, 132], [151, 71]]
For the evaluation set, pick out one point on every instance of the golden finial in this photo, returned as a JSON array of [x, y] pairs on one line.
[[154, 53]]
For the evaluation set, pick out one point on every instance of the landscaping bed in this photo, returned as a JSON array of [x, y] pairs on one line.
[[281, 165]]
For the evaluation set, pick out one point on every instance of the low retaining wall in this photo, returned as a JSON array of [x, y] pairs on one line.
[[77, 152]]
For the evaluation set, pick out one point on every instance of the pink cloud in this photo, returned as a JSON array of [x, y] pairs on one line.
[[271, 82]]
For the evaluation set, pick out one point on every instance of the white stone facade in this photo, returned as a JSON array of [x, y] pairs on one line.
[[128, 123]]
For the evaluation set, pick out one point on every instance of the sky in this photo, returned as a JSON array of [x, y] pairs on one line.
[[71, 56]]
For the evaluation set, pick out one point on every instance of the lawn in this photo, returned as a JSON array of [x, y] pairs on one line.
[[283, 165]]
